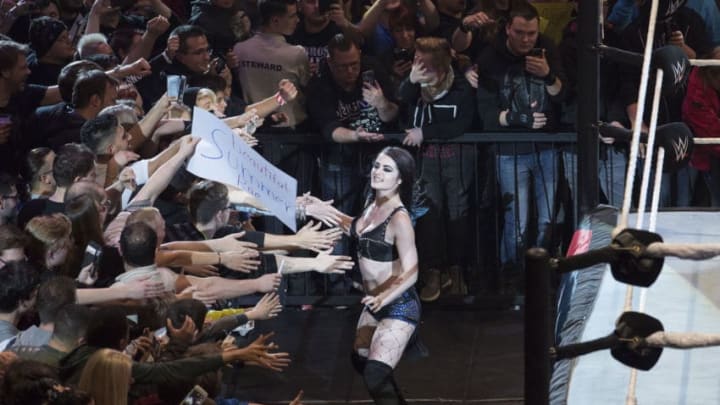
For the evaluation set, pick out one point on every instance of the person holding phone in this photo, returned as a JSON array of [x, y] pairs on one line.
[[521, 80], [320, 20], [358, 107]]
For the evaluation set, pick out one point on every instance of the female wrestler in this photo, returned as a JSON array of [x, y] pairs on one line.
[[388, 263]]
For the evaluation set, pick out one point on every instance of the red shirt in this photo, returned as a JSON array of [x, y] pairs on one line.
[[701, 111]]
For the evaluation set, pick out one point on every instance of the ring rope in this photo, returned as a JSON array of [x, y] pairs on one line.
[[634, 145], [630, 399], [680, 340]]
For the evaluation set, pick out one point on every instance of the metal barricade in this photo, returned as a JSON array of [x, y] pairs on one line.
[[487, 271]]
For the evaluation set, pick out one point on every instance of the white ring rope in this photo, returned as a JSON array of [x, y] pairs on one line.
[[630, 399], [656, 190], [679, 340], [705, 62], [644, 187], [690, 251], [634, 145], [706, 141]]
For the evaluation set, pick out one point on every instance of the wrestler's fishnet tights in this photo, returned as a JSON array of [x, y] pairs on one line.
[[383, 341]]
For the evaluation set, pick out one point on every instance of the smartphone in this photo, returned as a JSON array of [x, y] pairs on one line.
[[196, 396], [368, 76], [402, 54], [93, 254], [219, 63], [160, 333], [176, 87], [536, 52]]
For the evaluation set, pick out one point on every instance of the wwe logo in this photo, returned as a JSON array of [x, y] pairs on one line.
[[680, 146], [678, 69]]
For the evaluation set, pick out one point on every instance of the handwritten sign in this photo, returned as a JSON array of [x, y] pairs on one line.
[[222, 156]]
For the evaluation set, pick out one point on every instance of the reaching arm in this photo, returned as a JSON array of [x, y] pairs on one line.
[[222, 288], [371, 18], [162, 177], [145, 287], [308, 237], [244, 261], [322, 263], [429, 11], [151, 119], [156, 27], [52, 96]]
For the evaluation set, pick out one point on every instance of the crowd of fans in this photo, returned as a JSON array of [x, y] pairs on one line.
[[100, 220]]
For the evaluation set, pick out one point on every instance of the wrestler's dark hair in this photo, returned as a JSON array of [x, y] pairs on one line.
[[406, 166]]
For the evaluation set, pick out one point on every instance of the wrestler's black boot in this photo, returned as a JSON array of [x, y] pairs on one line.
[[358, 362], [381, 384]]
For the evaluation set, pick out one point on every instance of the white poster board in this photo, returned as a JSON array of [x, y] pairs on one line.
[[223, 157]]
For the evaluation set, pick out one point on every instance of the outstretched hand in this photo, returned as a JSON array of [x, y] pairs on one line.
[[268, 307], [331, 264], [244, 261], [324, 212], [268, 282], [258, 353], [145, 287], [231, 242], [310, 237]]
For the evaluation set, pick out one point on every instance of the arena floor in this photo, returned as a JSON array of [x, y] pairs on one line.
[[476, 357]]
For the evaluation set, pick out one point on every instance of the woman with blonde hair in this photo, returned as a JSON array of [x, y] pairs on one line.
[[107, 376], [50, 240]]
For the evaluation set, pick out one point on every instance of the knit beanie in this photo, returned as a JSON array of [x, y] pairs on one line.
[[44, 31]]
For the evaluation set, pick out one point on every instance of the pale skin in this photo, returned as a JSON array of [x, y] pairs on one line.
[[385, 340]]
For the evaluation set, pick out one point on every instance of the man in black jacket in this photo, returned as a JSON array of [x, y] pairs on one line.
[[59, 124], [520, 82]]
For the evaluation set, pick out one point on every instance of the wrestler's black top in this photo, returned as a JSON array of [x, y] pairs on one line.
[[372, 244]]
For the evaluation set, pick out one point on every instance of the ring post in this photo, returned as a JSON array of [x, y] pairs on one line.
[[538, 327], [588, 113]]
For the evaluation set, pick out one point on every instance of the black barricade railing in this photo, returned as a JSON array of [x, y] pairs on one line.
[[487, 207]]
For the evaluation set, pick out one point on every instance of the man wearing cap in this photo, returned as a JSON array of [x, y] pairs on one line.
[[53, 49]]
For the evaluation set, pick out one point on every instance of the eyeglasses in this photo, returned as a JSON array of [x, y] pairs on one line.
[[10, 197]]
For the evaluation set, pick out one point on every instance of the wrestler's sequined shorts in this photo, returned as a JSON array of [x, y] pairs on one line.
[[406, 308]]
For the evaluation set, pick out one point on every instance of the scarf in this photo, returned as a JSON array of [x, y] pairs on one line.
[[436, 91]]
